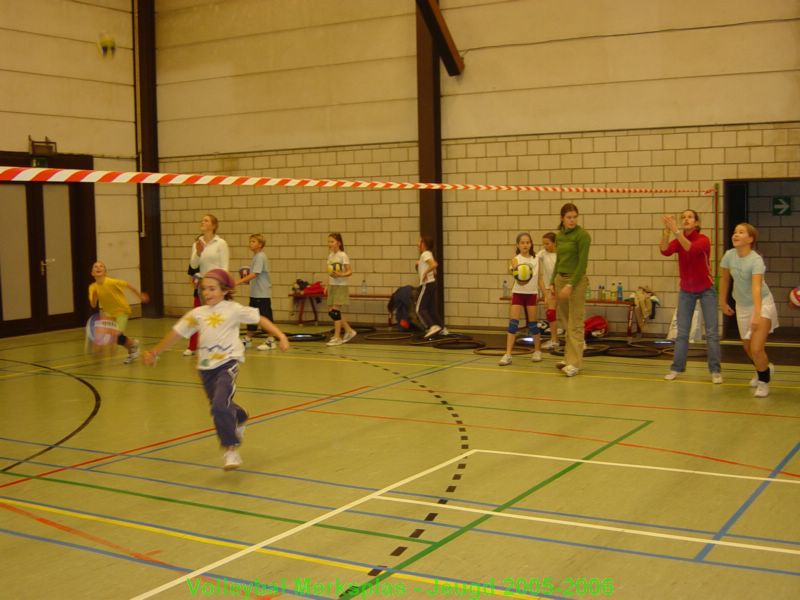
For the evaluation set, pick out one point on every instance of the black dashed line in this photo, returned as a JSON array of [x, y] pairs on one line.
[[431, 516], [399, 550], [417, 532]]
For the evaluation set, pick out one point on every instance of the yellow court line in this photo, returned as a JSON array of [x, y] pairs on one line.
[[205, 540]]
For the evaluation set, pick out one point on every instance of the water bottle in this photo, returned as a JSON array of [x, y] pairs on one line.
[[619, 292], [588, 293], [505, 288], [364, 288], [601, 292]]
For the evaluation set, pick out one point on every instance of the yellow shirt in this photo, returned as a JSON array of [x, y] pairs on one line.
[[111, 296]]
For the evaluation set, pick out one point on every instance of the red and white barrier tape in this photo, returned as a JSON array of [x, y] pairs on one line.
[[44, 175]]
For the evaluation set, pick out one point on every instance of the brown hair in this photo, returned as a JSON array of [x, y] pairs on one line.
[[550, 236], [428, 242], [338, 238], [214, 221], [568, 207], [259, 238], [520, 236], [751, 231], [696, 217]]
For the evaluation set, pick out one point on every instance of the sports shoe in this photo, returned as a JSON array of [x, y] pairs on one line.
[[716, 378], [432, 330], [133, 353], [335, 341], [560, 365], [349, 336], [232, 459], [247, 342], [570, 371], [762, 389], [188, 352], [268, 345], [754, 380], [671, 375], [506, 360], [444, 331], [536, 356], [550, 345]]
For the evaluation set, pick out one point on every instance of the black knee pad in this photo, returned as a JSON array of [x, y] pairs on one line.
[[335, 314], [121, 339]]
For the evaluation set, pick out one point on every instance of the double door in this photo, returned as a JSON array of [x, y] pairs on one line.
[[47, 243]]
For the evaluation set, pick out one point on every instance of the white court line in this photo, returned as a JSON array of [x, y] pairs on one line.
[[668, 536], [646, 467], [301, 527]]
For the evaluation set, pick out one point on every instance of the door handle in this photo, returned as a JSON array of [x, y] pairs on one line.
[[43, 265]]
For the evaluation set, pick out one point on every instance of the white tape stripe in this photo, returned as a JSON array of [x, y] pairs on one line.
[[668, 536]]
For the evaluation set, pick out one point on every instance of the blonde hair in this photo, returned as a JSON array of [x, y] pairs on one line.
[[259, 238]]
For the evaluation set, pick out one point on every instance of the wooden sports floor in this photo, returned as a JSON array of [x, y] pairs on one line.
[[387, 471]]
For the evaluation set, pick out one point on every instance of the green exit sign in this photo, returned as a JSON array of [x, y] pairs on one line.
[[781, 206]]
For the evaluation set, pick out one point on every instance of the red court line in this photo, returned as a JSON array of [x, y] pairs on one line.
[[621, 404], [175, 439], [560, 435]]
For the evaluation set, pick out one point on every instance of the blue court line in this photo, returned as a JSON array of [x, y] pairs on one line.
[[481, 504], [490, 532], [747, 503], [140, 561]]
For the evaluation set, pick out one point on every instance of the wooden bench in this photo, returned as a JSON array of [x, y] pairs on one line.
[[629, 304], [301, 300]]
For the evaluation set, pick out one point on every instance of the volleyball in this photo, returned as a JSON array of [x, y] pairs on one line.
[[244, 272], [334, 267], [794, 297], [522, 272], [101, 334], [106, 45]]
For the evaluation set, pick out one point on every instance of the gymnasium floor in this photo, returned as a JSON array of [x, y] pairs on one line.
[[377, 470]]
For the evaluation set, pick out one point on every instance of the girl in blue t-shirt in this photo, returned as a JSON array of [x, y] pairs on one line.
[[755, 312]]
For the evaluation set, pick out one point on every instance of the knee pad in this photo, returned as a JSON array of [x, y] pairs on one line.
[[121, 339], [533, 327], [335, 314], [550, 314], [513, 325]]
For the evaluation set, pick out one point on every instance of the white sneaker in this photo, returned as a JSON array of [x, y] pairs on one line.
[[432, 330], [247, 342], [232, 459], [754, 380], [570, 371], [133, 353], [762, 389], [268, 345], [444, 331], [716, 378], [335, 341], [536, 356], [188, 352], [349, 336], [671, 375], [550, 345], [506, 360]]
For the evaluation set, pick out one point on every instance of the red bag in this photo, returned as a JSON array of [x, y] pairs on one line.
[[314, 289], [595, 326]]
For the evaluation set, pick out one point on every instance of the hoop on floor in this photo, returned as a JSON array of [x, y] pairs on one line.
[[634, 351], [498, 351], [590, 350], [458, 344], [690, 353], [305, 337], [389, 336], [359, 329]]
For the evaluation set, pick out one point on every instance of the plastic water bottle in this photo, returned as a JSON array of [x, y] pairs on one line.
[[505, 288], [601, 292], [619, 292], [364, 288], [588, 293]]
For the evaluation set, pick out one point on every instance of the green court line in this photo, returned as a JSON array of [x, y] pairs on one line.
[[466, 528], [215, 507]]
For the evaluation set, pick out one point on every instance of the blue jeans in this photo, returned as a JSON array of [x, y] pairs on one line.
[[708, 305]]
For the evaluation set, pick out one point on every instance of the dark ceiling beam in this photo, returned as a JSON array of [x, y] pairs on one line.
[[445, 46]]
